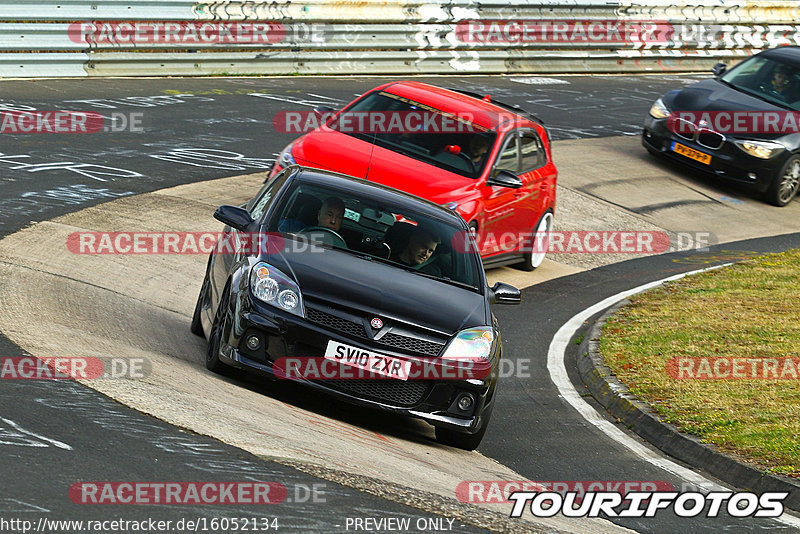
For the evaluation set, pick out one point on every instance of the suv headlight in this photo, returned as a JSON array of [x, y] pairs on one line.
[[471, 345], [271, 286], [761, 149], [658, 110]]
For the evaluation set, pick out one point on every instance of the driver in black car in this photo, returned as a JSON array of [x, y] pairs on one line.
[[329, 222], [331, 214], [782, 83]]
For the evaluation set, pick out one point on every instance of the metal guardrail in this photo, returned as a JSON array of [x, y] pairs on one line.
[[68, 37], [435, 62], [180, 37]]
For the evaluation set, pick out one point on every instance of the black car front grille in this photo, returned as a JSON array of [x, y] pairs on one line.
[[402, 393], [411, 344], [685, 129], [335, 323], [702, 136], [710, 139]]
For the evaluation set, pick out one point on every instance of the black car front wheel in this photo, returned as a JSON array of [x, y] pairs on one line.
[[213, 363], [460, 440], [784, 188]]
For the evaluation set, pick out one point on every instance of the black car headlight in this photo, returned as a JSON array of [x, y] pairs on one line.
[[269, 285], [658, 110], [472, 345], [761, 149]]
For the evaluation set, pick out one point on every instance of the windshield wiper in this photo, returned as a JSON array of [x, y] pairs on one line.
[[758, 95], [444, 279], [411, 269]]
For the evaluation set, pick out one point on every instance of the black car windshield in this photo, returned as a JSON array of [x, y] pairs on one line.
[[419, 131], [770, 80], [392, 234]]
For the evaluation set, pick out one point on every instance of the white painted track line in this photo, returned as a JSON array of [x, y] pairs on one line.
[[558, 374]]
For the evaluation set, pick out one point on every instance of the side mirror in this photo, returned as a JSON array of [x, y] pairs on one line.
[[234, 217], [501, 293], [719, 69], [505, 178], [323, 112]]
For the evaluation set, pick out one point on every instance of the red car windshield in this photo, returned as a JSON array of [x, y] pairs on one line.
[[447, 140]]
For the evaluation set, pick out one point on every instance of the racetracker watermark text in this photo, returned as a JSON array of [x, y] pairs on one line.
[[563, 31], [75, 368], [181, 33], [69, 122], [734, 122], [586, 241], [177, 493], [421, 121], [729, 368], [358, 364], [554, 242], [183, 243]]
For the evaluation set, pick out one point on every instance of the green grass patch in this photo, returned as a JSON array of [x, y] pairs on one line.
[[741, 317]]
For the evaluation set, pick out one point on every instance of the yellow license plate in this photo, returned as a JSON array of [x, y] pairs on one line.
[[691, 153]]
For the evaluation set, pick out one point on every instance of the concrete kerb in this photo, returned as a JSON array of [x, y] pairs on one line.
[[638, 416]]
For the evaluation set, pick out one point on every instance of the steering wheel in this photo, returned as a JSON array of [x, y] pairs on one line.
[[329, 236], [470, 163], [770, 90]]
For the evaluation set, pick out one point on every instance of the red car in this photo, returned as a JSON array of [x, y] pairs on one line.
[[488, 161]]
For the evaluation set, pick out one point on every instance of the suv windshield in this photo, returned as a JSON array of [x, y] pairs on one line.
[[777, 83], [388, 233], [446, 140]]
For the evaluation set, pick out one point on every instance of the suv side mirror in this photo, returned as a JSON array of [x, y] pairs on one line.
[[234, 217], [505, 178], [719, 69], [501, 293]]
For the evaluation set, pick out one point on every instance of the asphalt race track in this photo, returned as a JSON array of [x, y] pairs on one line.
[[181, 423]]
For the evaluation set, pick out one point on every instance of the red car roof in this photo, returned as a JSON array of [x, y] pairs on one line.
[[485, 114]]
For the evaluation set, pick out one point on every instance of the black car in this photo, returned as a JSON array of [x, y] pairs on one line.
[[740, 126], [385, 289]]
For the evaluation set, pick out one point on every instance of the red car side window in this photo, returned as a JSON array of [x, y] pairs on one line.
[[508, 158], [531, 152]]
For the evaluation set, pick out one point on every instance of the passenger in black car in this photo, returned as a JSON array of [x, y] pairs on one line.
[[419, 249]]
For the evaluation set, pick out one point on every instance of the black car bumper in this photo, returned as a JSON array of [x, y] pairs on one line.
[[728, 162], [284, 335]]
